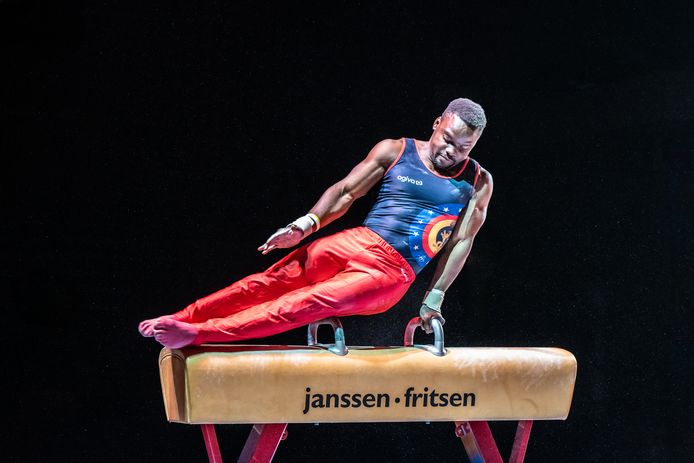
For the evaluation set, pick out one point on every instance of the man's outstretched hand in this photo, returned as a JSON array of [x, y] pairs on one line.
[[427, 314], [285, 237]]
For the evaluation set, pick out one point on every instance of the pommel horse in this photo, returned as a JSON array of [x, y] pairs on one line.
[[270, 386]]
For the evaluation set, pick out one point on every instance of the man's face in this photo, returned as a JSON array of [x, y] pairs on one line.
[[451, 142]]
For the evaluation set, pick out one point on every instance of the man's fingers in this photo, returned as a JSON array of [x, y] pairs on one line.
[[269, 248], [272, 242], [282, 238], [266, 247], [426, 318]]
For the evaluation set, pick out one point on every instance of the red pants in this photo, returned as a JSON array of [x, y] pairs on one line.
[[353, 272]]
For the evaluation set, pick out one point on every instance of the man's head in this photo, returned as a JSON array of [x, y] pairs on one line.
[[470, 112], [456, 132]]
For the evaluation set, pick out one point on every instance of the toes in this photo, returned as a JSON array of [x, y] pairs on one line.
[[163, 323], [145, 329]]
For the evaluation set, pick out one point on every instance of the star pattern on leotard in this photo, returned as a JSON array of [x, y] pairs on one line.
[[429, 231]]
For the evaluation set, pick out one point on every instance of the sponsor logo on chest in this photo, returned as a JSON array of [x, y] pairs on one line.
[[407, 179]]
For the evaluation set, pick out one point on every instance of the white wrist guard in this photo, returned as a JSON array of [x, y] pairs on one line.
[[433, 299], [307, 223]]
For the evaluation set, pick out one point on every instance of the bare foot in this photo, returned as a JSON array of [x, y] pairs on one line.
[[146, 327], [174, 334]]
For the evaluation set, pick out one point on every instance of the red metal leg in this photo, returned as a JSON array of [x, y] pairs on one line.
[[211, 444], [263, 442], [485, 441], [481, 447], [520, 443], [478, 441], [462, 430]]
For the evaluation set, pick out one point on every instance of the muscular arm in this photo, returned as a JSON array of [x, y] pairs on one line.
[[337, 199], [458, 248]]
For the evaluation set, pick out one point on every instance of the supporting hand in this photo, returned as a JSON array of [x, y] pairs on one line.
[[427, 314], [285, 237]]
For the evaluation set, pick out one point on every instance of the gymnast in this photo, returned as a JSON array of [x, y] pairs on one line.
[[425, 187]]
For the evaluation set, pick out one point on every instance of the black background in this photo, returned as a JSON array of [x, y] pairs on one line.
[[150, 149]]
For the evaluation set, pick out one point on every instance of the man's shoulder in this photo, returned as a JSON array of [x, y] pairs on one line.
[[484, 182], [387, 150], [391, 145], [473, 173], [485, 175]]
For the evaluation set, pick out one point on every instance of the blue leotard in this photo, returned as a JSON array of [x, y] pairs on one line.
[[416, 208]]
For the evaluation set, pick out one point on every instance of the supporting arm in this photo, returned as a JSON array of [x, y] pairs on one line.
[[455, 253]]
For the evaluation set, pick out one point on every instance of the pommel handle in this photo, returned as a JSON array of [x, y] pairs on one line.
[[339, 348], [438, 348]]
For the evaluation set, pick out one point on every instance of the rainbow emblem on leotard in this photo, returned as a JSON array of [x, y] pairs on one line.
[[431, 229]]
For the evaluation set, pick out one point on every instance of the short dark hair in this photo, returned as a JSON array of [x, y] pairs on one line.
[[470, 112]]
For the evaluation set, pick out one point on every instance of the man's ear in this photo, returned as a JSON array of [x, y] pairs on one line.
[[437, 121]]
